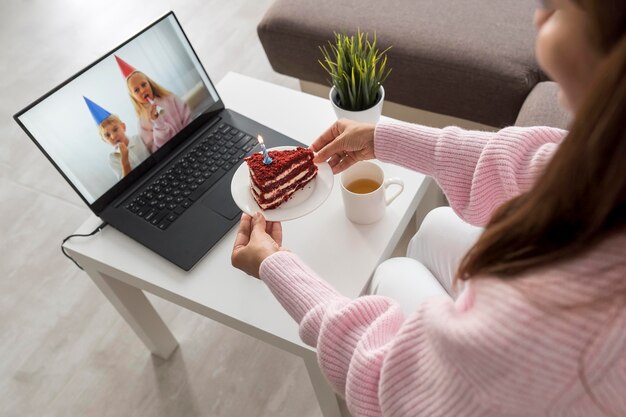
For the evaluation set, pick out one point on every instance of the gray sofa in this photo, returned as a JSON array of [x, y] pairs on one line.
[[472, 60]]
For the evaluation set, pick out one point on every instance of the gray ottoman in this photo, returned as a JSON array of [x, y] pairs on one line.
[[468, 59]]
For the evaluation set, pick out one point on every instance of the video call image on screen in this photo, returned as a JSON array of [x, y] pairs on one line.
[[104, 123]]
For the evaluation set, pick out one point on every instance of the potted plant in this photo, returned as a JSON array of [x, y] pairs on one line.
[[357, 70]]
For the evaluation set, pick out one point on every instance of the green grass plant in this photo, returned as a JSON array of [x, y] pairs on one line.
[[357, 69]]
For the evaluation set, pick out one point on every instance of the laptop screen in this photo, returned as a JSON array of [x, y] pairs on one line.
[[106, 121]]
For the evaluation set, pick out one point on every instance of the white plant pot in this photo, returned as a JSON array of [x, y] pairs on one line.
[[370, 115]]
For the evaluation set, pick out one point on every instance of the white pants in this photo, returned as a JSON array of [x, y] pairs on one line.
[[433, 257]]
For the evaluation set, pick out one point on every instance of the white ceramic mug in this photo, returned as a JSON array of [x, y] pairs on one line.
[[367, 208]]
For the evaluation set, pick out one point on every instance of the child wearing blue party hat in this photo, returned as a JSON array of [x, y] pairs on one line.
[[128, 152]]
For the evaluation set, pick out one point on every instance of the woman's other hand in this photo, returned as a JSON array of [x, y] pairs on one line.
[[344, 144], [256, 240]]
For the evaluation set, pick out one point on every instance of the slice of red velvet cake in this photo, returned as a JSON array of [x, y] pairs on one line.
[[275, 183]]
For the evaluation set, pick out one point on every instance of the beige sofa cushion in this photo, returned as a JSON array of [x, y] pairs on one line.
[[542, 108]]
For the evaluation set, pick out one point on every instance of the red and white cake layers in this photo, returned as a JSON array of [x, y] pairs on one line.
[[273, 184]]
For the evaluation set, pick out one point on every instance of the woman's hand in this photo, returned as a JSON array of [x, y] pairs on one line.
[[256, 240], [344, 144]]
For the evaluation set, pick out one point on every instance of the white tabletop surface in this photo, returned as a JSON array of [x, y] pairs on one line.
[[345, 254]]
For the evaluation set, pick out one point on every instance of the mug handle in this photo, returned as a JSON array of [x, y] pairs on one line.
[[390, 182]]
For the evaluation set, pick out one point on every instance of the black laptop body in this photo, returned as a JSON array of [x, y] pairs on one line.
[[177, 201]]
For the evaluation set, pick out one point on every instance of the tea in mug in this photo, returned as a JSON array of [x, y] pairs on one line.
[[363, 186]]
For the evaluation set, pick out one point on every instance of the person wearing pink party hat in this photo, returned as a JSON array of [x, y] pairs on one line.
[[161, 113]]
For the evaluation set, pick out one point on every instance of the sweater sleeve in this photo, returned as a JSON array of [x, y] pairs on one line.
[[498, 356], [351, 336], [477, 171], [363, 344]]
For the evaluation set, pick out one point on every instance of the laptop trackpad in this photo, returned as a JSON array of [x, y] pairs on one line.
[[220, 201]]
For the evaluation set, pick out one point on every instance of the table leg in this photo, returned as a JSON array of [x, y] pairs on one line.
[[138, 312], [329, 401]]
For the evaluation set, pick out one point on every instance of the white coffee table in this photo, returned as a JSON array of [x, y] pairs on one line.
[[343, 253]]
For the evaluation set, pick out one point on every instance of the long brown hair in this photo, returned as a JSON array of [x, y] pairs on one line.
[[580, 198]]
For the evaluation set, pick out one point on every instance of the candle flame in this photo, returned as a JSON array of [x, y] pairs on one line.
[[260, 138]]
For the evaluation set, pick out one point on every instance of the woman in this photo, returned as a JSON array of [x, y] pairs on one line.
[[538, 328]]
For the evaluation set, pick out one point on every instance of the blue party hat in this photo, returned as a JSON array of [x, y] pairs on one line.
[[97, 112]]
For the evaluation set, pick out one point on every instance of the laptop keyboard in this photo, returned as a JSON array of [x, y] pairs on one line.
[[193, 173]]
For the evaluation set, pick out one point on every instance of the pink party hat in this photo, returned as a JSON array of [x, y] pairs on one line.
[[125, 67]]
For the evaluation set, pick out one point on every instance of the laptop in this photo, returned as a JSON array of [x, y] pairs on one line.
[[145, 140]]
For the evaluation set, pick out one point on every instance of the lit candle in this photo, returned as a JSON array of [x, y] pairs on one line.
[[266, 157]]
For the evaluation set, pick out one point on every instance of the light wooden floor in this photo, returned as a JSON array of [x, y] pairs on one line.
[[64, 350]]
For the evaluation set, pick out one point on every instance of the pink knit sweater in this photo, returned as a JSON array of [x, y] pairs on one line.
[[504, 348], [175, 116]]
